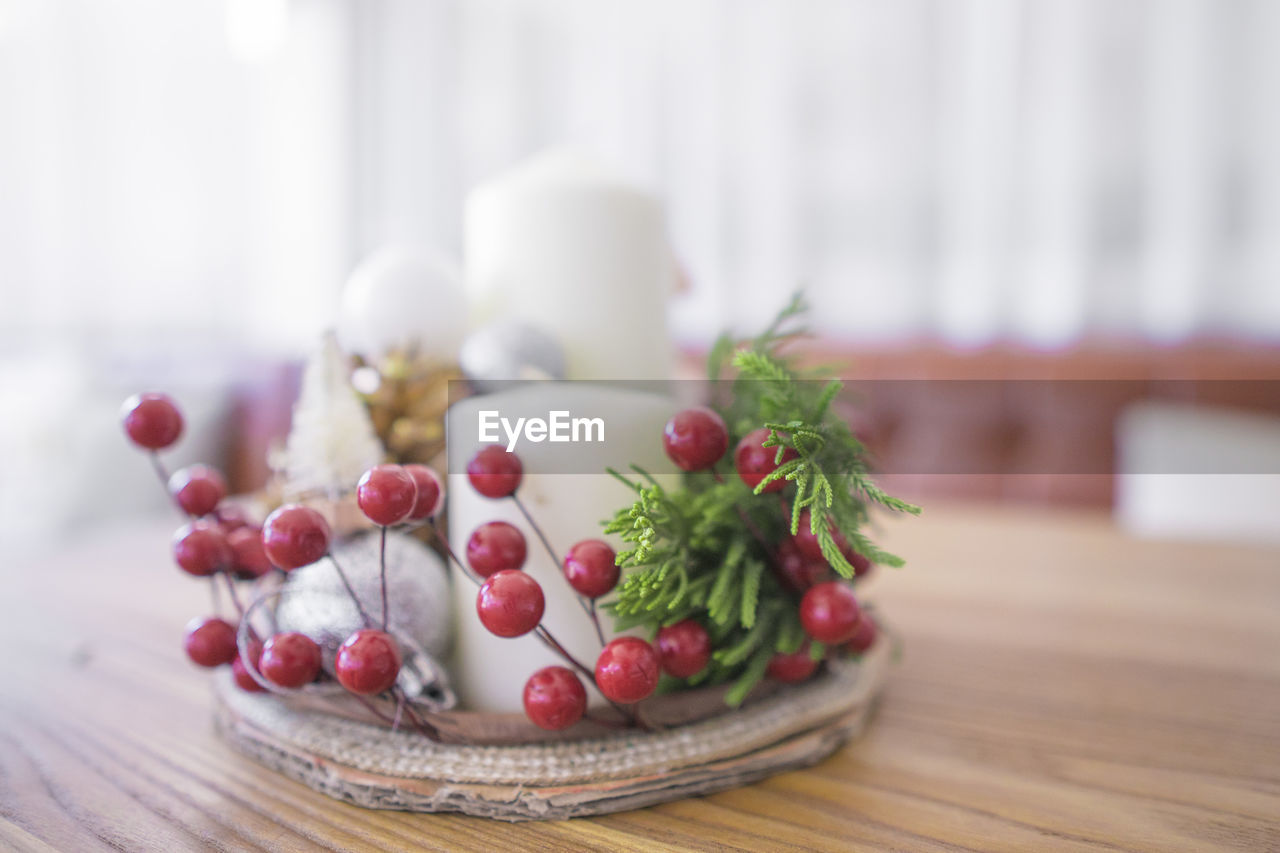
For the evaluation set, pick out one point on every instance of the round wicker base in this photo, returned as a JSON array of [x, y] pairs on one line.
[[377, 768]]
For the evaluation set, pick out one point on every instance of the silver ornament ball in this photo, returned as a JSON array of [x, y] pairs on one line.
[[507, 350], [315, 602]]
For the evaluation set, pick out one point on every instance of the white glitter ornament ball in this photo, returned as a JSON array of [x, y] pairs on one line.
[[399, 299], [315, 602]]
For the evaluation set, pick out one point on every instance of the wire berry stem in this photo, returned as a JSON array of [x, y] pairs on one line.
[[346, 582], [231, 591], [382, 575], [589, 608]]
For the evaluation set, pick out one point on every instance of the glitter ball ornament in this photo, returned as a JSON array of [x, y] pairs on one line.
[[402, 298], [506, 351], [314, 602]]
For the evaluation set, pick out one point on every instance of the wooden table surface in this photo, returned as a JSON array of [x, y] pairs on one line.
[[1062, 687]]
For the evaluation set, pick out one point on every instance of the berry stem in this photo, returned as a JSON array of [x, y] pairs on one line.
[[429, 731], [595, 621], [588, 608], [547, 637], [231, 591], [346, 582], [542, 537], [395, 720], [157, 465], [371, 708], [444, 543], [382, 575]]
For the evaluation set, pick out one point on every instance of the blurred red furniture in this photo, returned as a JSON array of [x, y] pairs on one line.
[[1015, 424], [939, 420]]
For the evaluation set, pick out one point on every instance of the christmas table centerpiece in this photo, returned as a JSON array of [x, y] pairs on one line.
[[720, 607]]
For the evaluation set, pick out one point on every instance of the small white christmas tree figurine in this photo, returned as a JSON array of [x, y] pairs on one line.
[[332, 439]]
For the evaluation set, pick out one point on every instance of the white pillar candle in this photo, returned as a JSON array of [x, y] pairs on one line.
[[489, 672], [562, 244]]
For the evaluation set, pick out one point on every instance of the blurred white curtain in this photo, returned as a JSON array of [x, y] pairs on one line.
[[172, 175], [1039, 170], [174, 195]]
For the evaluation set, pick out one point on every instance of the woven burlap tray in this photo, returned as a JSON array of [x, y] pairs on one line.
[[374, 767]]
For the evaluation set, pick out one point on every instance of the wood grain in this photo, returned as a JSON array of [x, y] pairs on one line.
[[1062, 688]]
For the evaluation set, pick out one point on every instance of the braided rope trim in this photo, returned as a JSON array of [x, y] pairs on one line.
[[845, 688]]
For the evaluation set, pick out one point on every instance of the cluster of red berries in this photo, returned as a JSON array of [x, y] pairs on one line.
[[510, 603], [220, 541], [696, 439]]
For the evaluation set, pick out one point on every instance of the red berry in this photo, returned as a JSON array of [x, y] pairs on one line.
[[201, 548], [510, 603], [829, 613], [807, 542], [250, 558], [494, 547], [430, 492], [243, 679], [754, 461], [798, 572], [386, 494], [695, 439], [494, 472], [792, 668], [554, 698], [864, 636], [368, 662], [684, 648], [151, 420], [627, 670], [591, 568], [198, 489], [210, 642], [294, 536], [290, 660]]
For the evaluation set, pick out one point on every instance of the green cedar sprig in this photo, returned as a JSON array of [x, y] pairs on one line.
[[707, 550]]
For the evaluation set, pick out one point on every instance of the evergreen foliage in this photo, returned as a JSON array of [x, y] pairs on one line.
[[706, 550]]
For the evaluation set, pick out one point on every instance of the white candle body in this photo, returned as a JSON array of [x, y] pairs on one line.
[[562, 245], [489, 672]]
